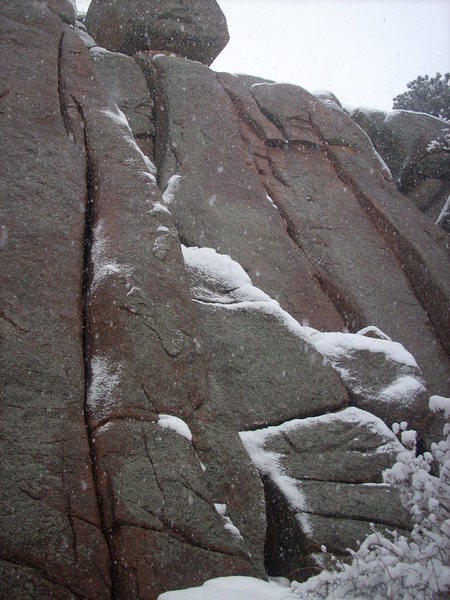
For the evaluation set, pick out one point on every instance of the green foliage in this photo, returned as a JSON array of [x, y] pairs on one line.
[[427, 94]]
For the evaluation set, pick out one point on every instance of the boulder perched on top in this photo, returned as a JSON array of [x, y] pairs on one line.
[[196, 29]]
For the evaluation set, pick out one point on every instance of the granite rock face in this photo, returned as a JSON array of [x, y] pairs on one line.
[[416, 149], [190, 282], [316, 499], [195, 29], [123, 78]]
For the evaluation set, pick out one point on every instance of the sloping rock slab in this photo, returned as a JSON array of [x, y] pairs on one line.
[[341, 208], [270, 373], [323, 482], [380, 375], [196, 29]]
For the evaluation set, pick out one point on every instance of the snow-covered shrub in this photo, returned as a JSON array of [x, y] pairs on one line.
[[441, 144], [395, 566]]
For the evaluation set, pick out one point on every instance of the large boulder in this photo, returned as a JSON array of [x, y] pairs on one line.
[[196, 29], [415, 147], [324, 487]]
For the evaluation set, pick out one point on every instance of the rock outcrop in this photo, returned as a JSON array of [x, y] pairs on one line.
[[416, 149], [195, 29], [193, 291]]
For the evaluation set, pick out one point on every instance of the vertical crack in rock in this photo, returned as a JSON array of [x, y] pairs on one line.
[[351, 315], [160, 116], [405, 254], [87, 244], [61, 96]]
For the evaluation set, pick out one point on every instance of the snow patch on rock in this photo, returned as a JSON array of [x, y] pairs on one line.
[[175, 424], [104, 378], [103, 264], [403, 389], [171, 188], [118, 117], [229, 525], [336, 344]]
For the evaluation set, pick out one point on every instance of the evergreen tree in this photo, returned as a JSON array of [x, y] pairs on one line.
[[427, 94]]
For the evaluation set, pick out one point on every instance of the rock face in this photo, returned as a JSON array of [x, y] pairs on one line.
[[192, 355], [416, 149], [128, 88], [195, 29], [318, 476]]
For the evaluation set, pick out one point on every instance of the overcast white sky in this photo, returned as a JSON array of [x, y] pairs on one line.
[[365, 51]]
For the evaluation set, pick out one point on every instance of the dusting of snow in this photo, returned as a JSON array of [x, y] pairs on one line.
[[403, 389], [384, 169], [159, 208], [103, 264], [171, 188], [148, 163], [444, 215], [134, 289], [104, 378], [271, 201], [377, 332], [229, 525], [97, 51], [148, 175], [175, 424], [118, 117], [440, 403], [328, 98]]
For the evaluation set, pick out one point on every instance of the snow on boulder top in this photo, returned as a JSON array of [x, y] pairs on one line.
[[254, 441], [218, 278], [373, 332], [175, 424], [336, 344]]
